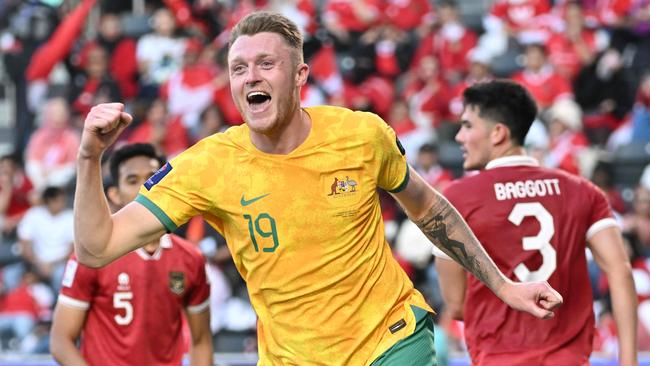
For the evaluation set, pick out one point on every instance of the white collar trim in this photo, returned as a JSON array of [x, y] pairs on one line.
[[516, 160], [165, 243]]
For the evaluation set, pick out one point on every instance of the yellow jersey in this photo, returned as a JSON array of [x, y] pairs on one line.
[[305, 232]]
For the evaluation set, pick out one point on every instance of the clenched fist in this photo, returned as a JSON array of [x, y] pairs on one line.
[[536, 298], [103, 125]]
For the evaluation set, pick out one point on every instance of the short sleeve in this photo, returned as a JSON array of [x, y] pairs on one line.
[[600, 213], [198, 298], [174, 193], [393, 170], [78, 284]]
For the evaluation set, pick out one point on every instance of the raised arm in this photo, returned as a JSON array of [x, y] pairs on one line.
[[445, 228], [607, 247], [100, 237]]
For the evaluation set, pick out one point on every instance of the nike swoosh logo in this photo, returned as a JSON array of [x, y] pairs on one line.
[[245, 202]]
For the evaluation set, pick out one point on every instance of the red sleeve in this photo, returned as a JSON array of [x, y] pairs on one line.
[[78, 281], [600, 208], [200, 290], [124, 68], [59, 45]]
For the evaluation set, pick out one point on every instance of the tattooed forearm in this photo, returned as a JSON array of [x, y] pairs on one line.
[[443, 220], [436, 230]]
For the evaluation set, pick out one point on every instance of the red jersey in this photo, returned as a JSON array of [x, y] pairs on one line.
[[520, 14], [343, 12], [407, 14], [135, 304], [545, 86], [534, 223], [19, 201], [564, 55]]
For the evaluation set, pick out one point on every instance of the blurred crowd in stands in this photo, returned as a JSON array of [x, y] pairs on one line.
[[586, 62]]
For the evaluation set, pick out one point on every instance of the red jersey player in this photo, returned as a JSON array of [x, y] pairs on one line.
[[129, 312], [535, 223]]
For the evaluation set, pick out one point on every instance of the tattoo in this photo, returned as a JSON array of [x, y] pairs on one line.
[[434, 226]]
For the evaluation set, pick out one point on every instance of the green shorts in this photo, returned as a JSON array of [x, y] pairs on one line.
[[414, 350]]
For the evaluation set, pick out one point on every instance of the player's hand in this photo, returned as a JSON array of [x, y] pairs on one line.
[[102, 126], [536, 298]]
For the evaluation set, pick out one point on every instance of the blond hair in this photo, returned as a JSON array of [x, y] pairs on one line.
[[264, 21]]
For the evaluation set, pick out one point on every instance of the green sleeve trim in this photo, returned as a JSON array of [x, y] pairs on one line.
[[405, 181], [160, 214]]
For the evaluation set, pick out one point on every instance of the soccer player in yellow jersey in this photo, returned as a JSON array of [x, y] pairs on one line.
[[294, 193]]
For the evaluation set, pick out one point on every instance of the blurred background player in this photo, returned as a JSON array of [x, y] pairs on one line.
[[553, 213], [129, 312]]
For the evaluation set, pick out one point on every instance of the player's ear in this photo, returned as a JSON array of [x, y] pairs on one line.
[[113, 196], [500, 134], [302, 74]]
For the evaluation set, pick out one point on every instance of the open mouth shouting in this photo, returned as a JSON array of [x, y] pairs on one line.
[[258, 101]]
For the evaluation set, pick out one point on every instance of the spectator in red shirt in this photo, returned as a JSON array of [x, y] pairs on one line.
[[393, 48], [542, 81], [122, 62], [410, 135], [347, 20], [428, 166], [608, 13], [409, 15], [526, 21], [190, 90], [428, 94], [449, 42], [399, 118], [94, 85], [17, 193], [52, 148], [166, 133], [567, 142], [575, 46], [22, 307], [479, 71]]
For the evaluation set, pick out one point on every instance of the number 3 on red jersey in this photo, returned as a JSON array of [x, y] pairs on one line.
[[541, 241]]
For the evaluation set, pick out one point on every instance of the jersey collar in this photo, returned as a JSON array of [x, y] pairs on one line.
[[516, 160], [165, 243]]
